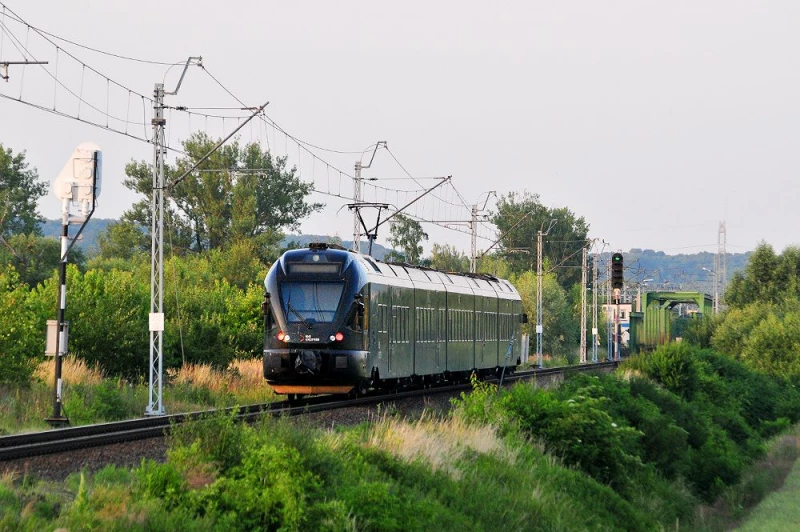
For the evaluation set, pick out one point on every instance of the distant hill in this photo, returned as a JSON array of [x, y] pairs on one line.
[[678, 272], [659, 270], [52, 228]]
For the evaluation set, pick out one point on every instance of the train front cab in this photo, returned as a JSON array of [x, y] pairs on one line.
[[315, 322]]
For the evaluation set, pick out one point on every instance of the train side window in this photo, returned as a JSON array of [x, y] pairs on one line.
[[401, 332], [382, 321], [471, 324], [428, 325], [406, 316], [506, 329]]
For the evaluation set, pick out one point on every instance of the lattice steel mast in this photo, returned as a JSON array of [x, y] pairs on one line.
[[155, 405]]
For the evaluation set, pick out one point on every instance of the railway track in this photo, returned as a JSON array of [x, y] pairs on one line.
[[72, 438]]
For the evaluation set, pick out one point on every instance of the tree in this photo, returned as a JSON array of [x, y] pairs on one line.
[[36, 258], [761, 323], [237, 193], [21, 329], [520, 218], [768, 278], [407, 235], [495, 265], [19, 192], [122, 240], [447, 258], [335, 240], [558, 321]]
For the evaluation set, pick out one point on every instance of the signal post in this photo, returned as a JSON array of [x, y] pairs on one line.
[[617, 282]]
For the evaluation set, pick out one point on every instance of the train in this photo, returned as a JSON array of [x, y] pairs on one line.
[[341, 322]]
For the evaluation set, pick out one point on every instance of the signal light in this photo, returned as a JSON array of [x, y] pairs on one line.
[[617, 267]]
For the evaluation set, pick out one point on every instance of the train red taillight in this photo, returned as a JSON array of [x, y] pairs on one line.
[[282, 336], [337, 337]]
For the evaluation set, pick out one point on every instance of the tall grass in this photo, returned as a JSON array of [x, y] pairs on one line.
[[89, 396], [439, 443], [241, 382], [73, 370]]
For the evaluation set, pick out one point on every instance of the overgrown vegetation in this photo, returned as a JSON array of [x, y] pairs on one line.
[[389, 475], [209, 320], [761, 324], [649, 447]]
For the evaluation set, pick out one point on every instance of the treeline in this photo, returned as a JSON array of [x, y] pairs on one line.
[[223, 227], [209, 319], [225, 223], [761, 324]]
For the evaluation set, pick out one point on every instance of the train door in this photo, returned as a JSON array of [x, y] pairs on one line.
[[482, 351], [460, 344], [507, 321], [426, 360], [401, 356], [379, 319], [440, 331]]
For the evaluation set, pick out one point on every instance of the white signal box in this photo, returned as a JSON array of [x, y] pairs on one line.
[[52, 334], [76, 181]]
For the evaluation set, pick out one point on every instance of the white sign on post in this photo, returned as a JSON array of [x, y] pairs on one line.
[[156, 321], [76, 179]]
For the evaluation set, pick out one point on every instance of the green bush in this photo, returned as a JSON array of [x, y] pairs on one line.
[[22, 329], [730, 409], [161, 481], [218, 439], [672, 366], [714, 466], [577, 429], [267, 490], [663, 442], [110, 400]]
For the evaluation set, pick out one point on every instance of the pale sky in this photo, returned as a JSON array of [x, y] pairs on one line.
[[655, 121]]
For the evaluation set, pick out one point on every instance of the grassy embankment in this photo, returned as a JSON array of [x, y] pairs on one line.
[[387, 475], [642, 450], [779, 510]]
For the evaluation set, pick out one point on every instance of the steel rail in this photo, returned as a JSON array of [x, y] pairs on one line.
[[72, 438]]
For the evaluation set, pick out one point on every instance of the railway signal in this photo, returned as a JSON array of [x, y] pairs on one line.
[[617, 277], [77, 184]]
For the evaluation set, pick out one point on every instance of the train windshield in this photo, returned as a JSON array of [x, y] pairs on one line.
[[310, 302]]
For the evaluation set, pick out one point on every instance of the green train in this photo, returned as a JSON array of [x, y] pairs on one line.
[[339, 322]]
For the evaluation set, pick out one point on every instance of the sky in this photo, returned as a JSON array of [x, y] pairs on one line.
[[655, 121]]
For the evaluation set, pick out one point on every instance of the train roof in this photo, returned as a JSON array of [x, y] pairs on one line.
[[405, 273]]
